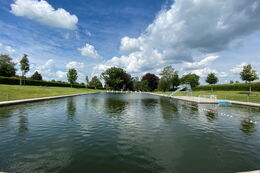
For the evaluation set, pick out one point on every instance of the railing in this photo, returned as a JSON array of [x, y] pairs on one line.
[[210, 97]]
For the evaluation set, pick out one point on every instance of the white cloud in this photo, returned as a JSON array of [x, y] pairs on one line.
[[203, 72], [44, 13], [238, 68], [202, 63], [6, 49], [129, 45], [189, 29], [76, 65], [89, 51], [61, 74]]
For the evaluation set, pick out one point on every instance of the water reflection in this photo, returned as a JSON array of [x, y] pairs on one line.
[[247, 127], [23, 124], [167, 108], [115, 106], [71, 108], [211, 115], [149, 103]]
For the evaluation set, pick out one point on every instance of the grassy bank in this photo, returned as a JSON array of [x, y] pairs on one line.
[[16, 92], [227, 95]]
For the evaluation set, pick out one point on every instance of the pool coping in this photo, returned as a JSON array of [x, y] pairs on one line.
[[21, 101]]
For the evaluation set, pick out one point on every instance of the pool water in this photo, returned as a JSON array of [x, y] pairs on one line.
[[127, 133]]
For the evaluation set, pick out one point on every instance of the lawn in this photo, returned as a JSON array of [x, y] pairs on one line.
[[16, 92], [226, 95]]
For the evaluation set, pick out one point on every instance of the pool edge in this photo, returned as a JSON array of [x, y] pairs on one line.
[[16, 102]]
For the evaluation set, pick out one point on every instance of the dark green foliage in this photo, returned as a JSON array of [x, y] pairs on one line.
[[230, 87], [141, 86], [152, 80], [95, 83], [248, 74], [7, 67], [169, 80], [191, 79], [212, 78], [36, 76], [117, 79], [16, 81], [72, 76]]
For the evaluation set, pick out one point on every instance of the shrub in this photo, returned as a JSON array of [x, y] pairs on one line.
[[230, 87], [16, 81]]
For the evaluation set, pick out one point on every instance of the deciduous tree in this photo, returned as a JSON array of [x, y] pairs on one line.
[[24, 66], [152, 80], [248, 74], [191, 79], [36, 76], [72, 76], [95, 83], [7, 67]]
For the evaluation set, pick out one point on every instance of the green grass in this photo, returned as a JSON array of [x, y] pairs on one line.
[[16, 92], [225, 95]]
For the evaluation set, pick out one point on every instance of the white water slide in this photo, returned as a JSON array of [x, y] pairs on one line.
[[182, 87]]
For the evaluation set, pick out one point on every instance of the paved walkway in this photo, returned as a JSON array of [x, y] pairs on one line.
[[206, 100]]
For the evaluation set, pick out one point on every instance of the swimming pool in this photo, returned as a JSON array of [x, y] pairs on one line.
[[128, 133]]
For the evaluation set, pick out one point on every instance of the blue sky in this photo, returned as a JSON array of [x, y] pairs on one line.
[[198, 36]]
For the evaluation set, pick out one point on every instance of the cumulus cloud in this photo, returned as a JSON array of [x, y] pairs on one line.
[[61, 74], [44, 13], [187, 29], [129, 45], [238, 68], [75, 65], [6, 49], [47, 70], [202, 63], [203, 72], [89, 51]]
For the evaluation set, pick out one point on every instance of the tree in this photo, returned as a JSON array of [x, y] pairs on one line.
[[72, 76], [95, 83], [117, 79], [140, 85], [191, 79], [169, 80], [231, 81], [212, 79], [87, 81], [248, 74], [152, 80], [24, 65], [7, 67], [36, 76]]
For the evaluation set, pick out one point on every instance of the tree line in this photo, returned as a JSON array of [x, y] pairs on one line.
[[116, 78]]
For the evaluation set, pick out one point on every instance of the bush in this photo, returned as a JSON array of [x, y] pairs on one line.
[[16, 81], [230, 87]]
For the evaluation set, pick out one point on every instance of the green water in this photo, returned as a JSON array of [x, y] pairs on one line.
[[127, 133]]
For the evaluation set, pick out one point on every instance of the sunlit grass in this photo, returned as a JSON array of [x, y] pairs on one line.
[[228, 95], [16, 92]]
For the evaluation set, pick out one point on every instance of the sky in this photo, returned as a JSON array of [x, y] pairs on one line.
[[193, 36]]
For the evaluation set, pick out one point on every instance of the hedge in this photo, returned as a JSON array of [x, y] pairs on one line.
[[16, 81], [255, 86]]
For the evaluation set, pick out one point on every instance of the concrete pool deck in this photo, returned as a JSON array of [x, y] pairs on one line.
[[206, 100]]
